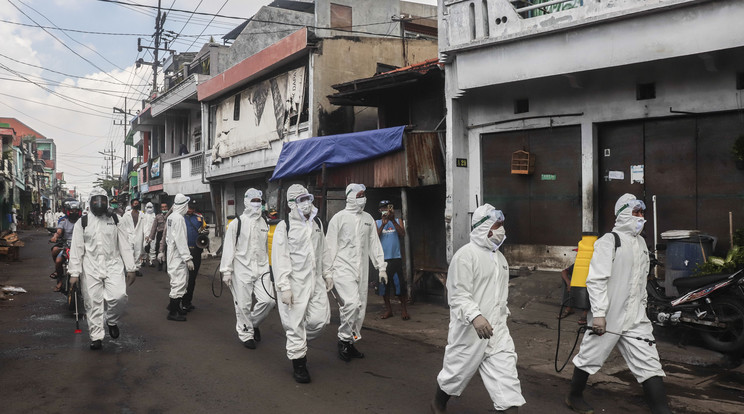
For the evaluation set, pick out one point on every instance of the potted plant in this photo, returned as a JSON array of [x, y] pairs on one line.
[[738, 151]]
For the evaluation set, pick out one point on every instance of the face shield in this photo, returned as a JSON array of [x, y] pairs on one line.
[[634, 206], [494, 215], [98, 205]]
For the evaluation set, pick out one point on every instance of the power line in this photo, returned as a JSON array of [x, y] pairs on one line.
[[47, 123], [210, 22], [62, 73], [96, 33], [53, 106]]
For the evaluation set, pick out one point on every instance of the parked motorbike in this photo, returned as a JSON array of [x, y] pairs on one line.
[[711, 304]]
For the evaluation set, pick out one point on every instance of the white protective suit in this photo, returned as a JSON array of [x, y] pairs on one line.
[[147, 218], [101, 254], [617, 292], [135, 234], [245, 262], [351, 238], [300, 262], [177, 247], [49, 219], [13, 221], [478, 284]]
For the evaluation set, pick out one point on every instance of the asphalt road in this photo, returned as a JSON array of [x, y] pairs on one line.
[[160, 366]]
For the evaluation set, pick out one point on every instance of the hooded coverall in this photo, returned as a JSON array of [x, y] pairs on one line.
[[101, 254], [478, 284], [247, 261], [177, 248], [300, 262], [147, 219], [351, 238], [617, 292], [135, 234]]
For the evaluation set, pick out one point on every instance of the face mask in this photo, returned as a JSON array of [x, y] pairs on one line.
[[306, 207], [640, 222], [164, 211], [498, 236], [255, 204], [137, 207], [361, 202], [148, 210], [73, 216]]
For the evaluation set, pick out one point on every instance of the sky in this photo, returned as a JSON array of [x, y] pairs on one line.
[[65, 83]]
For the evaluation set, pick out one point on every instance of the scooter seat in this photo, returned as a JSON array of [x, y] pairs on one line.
[[686, 284]]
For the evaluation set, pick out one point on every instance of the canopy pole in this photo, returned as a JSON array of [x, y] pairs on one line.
[[406, 240], [324, 206]]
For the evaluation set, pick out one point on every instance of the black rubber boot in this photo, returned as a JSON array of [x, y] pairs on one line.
[[181, 308], [300, 370], [250, 344], [96, 345], [439, 403], [343, 351], [656, 396], [575, 398], [256, 334], [173, 314], [113, 331], [510, 410], [353, 352]]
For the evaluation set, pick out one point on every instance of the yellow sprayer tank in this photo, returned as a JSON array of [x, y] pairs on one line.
[[272, 227], [579, 296]]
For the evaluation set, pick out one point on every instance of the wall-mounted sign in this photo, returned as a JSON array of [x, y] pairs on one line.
[[462, 162], [636, 174], [616, 175], [155, 168], [548, 177]]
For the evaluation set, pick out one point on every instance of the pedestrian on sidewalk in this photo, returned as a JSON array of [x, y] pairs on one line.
[[100, 253], [616, 285], [351, 239], [478, 338], [390, 229], [180, 261], [301, 266], [245, 268]]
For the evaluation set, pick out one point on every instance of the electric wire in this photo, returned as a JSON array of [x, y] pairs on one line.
[[47, 123], [95, 32], [53, 106], [210, 22]]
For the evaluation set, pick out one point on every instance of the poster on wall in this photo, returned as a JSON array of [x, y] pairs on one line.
[[636, 174], [155, 168], [258, 115]]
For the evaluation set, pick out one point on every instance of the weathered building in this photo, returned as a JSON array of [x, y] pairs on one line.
[[604, 97]]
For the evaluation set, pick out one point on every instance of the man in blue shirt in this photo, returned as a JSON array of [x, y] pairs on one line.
[[195, 224], [390, 230]]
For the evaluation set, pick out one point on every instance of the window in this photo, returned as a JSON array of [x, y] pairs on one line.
[[46, 155], [645, 91], [176, 169], [236, 108], [340, 17]]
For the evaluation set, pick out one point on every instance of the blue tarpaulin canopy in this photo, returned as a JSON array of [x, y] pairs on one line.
[[308, 155]]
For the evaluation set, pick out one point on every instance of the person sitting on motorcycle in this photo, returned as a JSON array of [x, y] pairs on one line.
[[62, 238]]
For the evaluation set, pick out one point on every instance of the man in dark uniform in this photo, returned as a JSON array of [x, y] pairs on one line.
[[195, 225]]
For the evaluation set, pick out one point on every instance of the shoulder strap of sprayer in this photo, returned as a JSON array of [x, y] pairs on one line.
[[316, 219], [84, 220], [617, 244]]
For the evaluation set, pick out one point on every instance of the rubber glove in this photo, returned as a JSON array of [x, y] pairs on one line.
[[599, 325], [482, 327], [161, 257], [227, 278], [147, 240], [383, 277], [131, 277], [329, 284], [286, 297], [73, 281], [190, 264]]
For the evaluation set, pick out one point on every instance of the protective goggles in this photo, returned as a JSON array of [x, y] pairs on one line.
[[493, 215], [634, 206], [304, 197]]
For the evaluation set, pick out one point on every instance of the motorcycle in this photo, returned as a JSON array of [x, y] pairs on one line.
[[70, 292], [711, 304]]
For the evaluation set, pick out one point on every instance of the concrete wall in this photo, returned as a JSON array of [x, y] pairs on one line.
[[259, 33], [362, 14], [341, 60]]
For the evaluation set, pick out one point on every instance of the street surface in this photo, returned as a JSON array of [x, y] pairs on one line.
[[159, 366]]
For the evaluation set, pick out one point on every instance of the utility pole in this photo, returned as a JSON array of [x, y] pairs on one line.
[[126, 114], [157, 37]]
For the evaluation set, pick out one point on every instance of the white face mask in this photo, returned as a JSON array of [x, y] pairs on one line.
[[256, 205], [498, 236], [361, 202], [640, 222], [306, 207]]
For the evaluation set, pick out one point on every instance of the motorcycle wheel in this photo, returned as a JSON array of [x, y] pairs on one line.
[[731, 338]]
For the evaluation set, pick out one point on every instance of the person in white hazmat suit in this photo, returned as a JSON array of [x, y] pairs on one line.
[[478, 338], [100, 254], [616, 285], [132, 222], [179, 257], [148, 249], [301, 266], [351, 238], [245, 268]]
